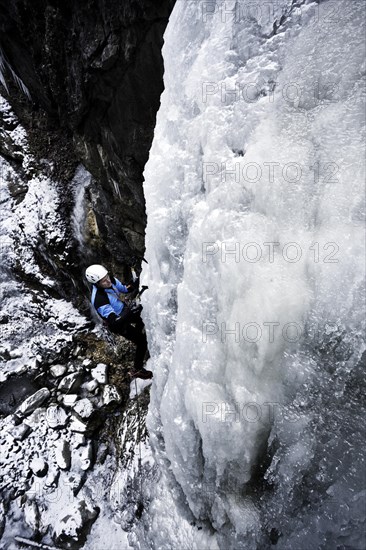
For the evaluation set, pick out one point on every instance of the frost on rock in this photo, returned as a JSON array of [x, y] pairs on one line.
[[48, 453], [70, 527], [99, 373], [111, 394], [58, 370], [38, 466], [63, 454], [70, 383], [56, 416], [84, 408], [32, 402]]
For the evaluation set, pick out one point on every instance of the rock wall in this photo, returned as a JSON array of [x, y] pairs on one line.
[[94, 73]]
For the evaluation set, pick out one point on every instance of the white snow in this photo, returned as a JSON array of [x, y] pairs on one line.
[[80, 183]]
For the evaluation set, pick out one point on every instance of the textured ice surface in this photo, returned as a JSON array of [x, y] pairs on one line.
[[257, 151]]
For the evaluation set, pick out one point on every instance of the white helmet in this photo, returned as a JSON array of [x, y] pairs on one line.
[[95, 273]]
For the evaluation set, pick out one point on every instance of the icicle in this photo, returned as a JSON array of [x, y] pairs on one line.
[[5, 65]]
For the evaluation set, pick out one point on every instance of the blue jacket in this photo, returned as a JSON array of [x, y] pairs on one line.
[[106, 300]]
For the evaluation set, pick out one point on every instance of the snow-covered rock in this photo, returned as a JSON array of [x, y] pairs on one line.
[[99, 373], [111, 394], [31, 514], [83, 456], [33, 401], [38, 466], [75, 520], [19, 432], [77, 440], [86, 456], [52, 477], [91, 386], [70, 383], [75, 481], [2, 518], [56, 416], [58, 370], [36, 419], [69, 399], [77, 425], [84, 407], [63, 454]]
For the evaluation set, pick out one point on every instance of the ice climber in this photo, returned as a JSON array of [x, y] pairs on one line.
[[121, 318]]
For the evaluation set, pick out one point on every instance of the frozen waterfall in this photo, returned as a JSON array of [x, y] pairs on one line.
[[255, 241]]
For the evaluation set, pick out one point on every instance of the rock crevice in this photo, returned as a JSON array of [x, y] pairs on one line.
[[94, 72]]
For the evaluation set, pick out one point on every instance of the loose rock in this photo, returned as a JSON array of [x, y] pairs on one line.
[[58, 370], [91, 386], [77, 425], [56, 416], [70, 383], [111, 394], [38, 466], [69, 399], [63, 454], [99, 373], [74, 522], [32, 402], [84, 408], [19, 432]]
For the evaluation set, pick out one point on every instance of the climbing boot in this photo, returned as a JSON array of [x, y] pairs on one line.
[[144, 374]]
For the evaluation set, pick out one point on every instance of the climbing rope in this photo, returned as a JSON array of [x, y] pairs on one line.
[[140, 505]]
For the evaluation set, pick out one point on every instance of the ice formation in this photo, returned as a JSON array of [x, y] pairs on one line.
[[255, 239]]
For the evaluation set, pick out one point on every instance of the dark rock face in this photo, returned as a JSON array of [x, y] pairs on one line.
[[94, 71]]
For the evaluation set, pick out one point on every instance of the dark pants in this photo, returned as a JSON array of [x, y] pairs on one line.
[[124, 327]]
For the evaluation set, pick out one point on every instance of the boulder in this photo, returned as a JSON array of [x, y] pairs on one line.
[[91, 386], [62, 454], [19, 432], [58, 370], [111, 394], [38, 466], [73, 522], [69, 399], [56, 416], [70, 383], [84, 408], [77, 425], [99, 373], [33, 401]]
